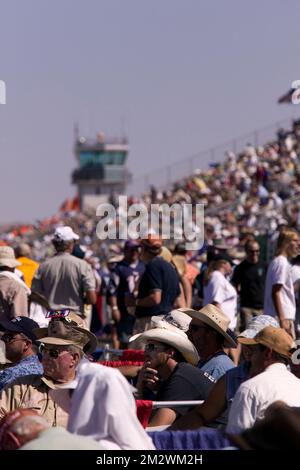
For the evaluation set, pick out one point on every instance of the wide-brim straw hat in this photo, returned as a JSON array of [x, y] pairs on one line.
[[7, 257], [216, 319], [69, 331]]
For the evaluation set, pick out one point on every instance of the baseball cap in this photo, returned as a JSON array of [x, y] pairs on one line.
[[275, 338], [23, 325], [65, 234], [257, 324]]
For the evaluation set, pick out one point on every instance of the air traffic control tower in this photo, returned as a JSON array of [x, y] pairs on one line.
[[101, 171]]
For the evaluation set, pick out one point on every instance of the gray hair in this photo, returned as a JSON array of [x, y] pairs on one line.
[[73, 349]]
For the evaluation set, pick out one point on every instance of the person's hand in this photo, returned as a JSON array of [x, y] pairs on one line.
[[286, 325], [148, 377]]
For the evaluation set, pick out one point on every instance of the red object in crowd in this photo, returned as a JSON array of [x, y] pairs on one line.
[[133, 355], [143, 411], [120, 363]]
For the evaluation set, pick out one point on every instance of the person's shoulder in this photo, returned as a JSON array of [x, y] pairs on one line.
[[32, 380]]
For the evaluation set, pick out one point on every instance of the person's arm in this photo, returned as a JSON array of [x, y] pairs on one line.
[[180, 300], [91, 297], [20, 303], [276, 296], [89, 284], [115, 312], [187, 290], [162, 417], [211, 409], [154, 298]]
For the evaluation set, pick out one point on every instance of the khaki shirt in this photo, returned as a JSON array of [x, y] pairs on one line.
[[63, 280], [32, 392], [13, 299]]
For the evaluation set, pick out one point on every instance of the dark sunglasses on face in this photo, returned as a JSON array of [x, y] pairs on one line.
[[52, 352], [9, 338], [152, 347]]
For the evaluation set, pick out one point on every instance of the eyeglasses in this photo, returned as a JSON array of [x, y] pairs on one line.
[[253, 251], [52, 352], [9, 338], [153, 347]]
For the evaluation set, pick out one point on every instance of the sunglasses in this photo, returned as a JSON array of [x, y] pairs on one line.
[[153, 347], [52, 352], [10, 338]]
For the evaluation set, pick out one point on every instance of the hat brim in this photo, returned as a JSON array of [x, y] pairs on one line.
[[88, 348], [10, 263], [172, 338], [58, 341], [249, 341], [198, 315]]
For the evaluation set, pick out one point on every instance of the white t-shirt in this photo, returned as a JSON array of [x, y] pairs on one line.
[[280, 272], [221, 291], [255, 395]]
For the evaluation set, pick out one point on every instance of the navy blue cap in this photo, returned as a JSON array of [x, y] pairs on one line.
[[23, 325]]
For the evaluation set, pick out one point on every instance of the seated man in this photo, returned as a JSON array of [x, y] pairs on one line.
[[208, 331], [21, 349], [272, 349], [214, 411], [64, 346], [169, 369]]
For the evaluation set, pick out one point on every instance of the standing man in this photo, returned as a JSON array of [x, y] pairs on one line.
[[66, 279], [279, 301], [249, 280], [127, 274], [27, 265], [159, 290], [13, 291]]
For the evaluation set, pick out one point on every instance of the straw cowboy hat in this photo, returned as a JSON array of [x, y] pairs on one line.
[[216, 319], [169, 334], [7, 257]]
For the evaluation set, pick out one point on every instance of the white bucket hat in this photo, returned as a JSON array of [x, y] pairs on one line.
[[169, 334], [257, 324], [7, 257], [216, 319]]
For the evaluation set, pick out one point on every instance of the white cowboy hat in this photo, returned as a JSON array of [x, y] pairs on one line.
[[169, 334], [175, 317], [216, 319]]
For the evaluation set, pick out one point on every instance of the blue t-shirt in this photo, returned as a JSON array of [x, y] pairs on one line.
[[217, 365], [235, 377], [158, 275], [28, 366]]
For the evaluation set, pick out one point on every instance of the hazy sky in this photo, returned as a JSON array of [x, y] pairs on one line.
[[177, 75]]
